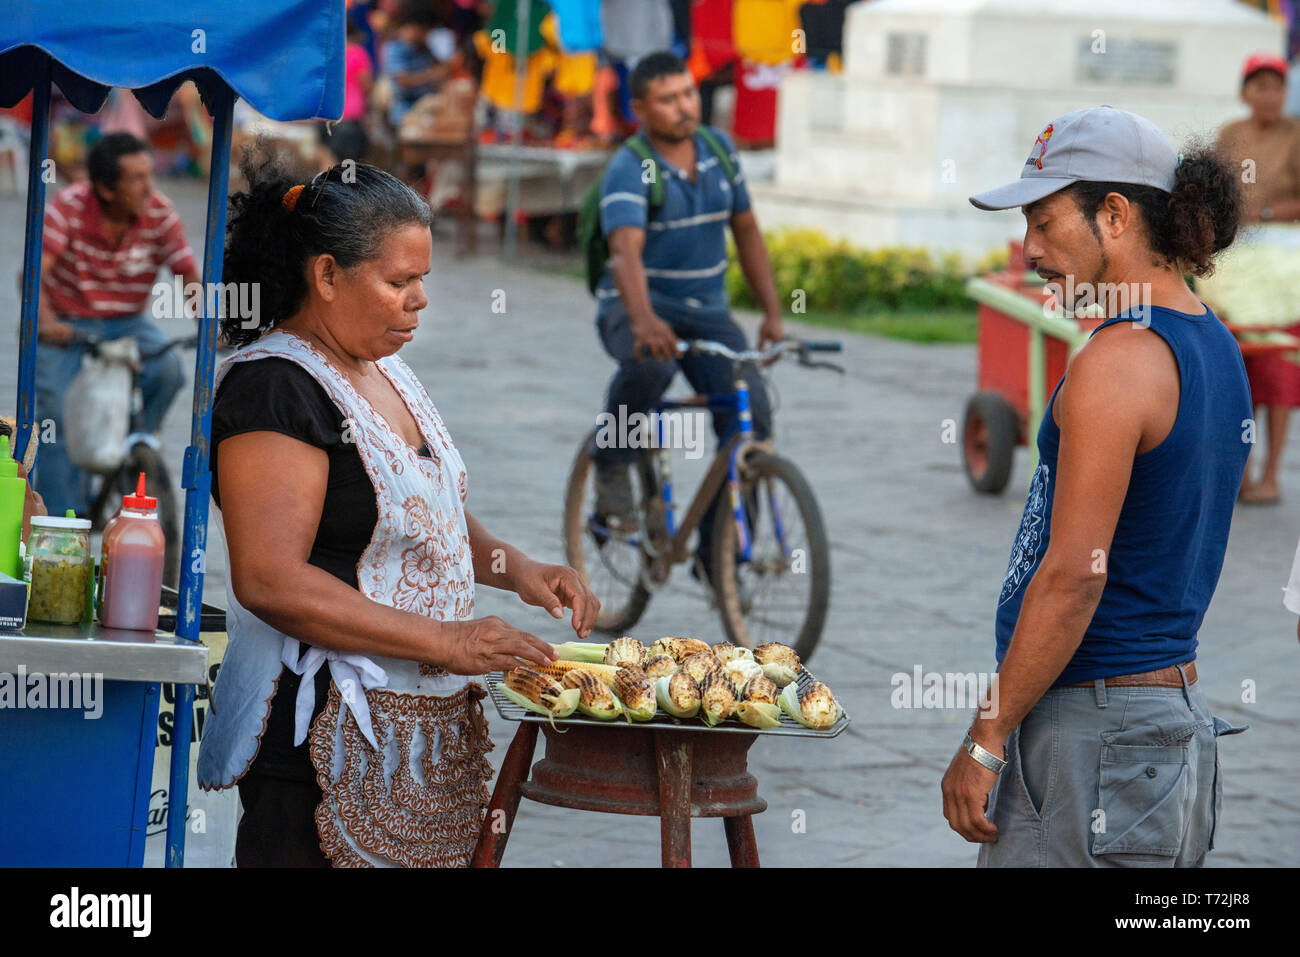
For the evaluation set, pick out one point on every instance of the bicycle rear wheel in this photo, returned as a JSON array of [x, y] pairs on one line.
[[143, 458], [782, 594], [611, 563]]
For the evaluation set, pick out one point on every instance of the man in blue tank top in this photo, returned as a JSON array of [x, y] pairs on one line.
[[1099, 748]]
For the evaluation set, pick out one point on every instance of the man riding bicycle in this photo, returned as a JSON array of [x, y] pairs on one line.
[[105, 241], [666, 275]]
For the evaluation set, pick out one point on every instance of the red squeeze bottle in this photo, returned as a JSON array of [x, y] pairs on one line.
[[133, 550]]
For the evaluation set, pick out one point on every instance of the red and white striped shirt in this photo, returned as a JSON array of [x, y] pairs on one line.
[[92, 278]]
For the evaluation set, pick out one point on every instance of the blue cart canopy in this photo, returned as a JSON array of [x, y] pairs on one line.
[[284, 57]]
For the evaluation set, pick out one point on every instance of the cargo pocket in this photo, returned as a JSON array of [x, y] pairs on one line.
[[1144, 793], [1221, 729]]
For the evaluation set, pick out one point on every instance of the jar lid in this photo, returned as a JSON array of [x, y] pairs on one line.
[[52, 521]]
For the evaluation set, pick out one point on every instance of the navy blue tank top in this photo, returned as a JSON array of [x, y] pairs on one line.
[[1172, 532]]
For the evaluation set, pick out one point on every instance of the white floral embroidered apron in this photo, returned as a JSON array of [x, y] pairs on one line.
[[399, 750]]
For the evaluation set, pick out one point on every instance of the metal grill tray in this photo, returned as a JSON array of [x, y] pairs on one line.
[[789, 727]]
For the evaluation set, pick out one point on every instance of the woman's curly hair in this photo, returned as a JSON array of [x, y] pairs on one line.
[[346, 211]]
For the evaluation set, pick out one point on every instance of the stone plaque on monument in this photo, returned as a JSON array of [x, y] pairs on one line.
[[1124, 62]]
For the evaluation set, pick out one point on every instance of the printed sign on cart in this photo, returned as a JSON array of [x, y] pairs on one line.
[[212, 815]]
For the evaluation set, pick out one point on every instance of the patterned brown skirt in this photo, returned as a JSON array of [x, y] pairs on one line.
[[417, 800]]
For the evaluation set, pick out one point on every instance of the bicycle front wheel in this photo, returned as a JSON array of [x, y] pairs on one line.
[[783, 592], [610, 562]]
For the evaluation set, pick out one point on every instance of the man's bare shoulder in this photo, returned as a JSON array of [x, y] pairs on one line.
[[1126, 371], [1125, 353]]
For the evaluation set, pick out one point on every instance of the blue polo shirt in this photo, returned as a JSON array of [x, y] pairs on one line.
[[685, 255]]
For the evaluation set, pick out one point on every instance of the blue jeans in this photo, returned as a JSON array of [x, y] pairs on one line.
[[59, 482], [640, 384]]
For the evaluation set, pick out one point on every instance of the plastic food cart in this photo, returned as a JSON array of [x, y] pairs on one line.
[[1022, 352], [75, 791]]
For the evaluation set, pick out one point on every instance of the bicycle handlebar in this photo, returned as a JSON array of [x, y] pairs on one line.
[[92, 343], [801, 347]]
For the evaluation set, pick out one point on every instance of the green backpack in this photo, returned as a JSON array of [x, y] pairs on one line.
[[591, 238]]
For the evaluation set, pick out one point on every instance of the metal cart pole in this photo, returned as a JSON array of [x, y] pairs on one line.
[[40, 146], [195, 477]]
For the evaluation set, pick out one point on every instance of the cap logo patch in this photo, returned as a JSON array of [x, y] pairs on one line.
[[1040, 147]]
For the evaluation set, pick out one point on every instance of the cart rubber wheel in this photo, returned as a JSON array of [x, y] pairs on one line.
[[990, 434]]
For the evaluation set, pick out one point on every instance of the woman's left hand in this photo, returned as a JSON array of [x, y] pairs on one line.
[[556, 587]]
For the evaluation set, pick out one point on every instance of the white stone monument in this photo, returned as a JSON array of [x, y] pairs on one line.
[[940, 99]]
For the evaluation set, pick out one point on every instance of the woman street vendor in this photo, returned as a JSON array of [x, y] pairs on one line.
[[345, 709]]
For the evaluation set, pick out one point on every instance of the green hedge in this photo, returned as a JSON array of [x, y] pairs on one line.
[[838, 277]]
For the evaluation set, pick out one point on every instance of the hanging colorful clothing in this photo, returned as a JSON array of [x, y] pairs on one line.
[[757, 85], [711, 43], [579, 24], [575, 71], [504, 25], [764, 30], [498, 82]]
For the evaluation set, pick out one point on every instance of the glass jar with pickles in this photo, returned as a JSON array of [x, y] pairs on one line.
[[59, 549]]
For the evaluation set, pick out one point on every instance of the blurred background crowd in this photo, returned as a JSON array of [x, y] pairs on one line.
[[447, 73]]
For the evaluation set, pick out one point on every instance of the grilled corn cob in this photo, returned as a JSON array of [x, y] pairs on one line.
[[530, 688], [760, 688], [717, 698], [595, 699], [592, 652], [625, 651], [725, 651], [678, 648], [637, 692], [759, 714], [759, 708], [558, 669], [661, 666], [679, 695], [779, 662], [813, 706], [699, 665], [741, 672]]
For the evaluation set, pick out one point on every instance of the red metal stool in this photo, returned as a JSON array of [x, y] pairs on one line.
[[675, 775]]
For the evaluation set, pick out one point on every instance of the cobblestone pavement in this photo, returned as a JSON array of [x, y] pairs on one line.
[[917, 562]]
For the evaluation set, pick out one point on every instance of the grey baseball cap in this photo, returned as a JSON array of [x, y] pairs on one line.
[[1099, 145]]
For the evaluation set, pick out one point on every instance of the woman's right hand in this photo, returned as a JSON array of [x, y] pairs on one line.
[[491, 644]]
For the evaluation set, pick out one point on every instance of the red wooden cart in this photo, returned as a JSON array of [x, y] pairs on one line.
[[1022, 351]]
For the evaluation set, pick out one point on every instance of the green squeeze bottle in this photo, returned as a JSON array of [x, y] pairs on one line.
[[13, 491]]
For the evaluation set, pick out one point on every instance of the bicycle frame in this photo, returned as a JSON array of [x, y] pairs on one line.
[[739, 447]]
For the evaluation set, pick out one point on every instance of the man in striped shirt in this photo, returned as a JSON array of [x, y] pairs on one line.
[[666, 277], [105, 241]]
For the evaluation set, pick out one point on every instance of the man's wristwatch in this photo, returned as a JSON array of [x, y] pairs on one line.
[[983, 755]]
